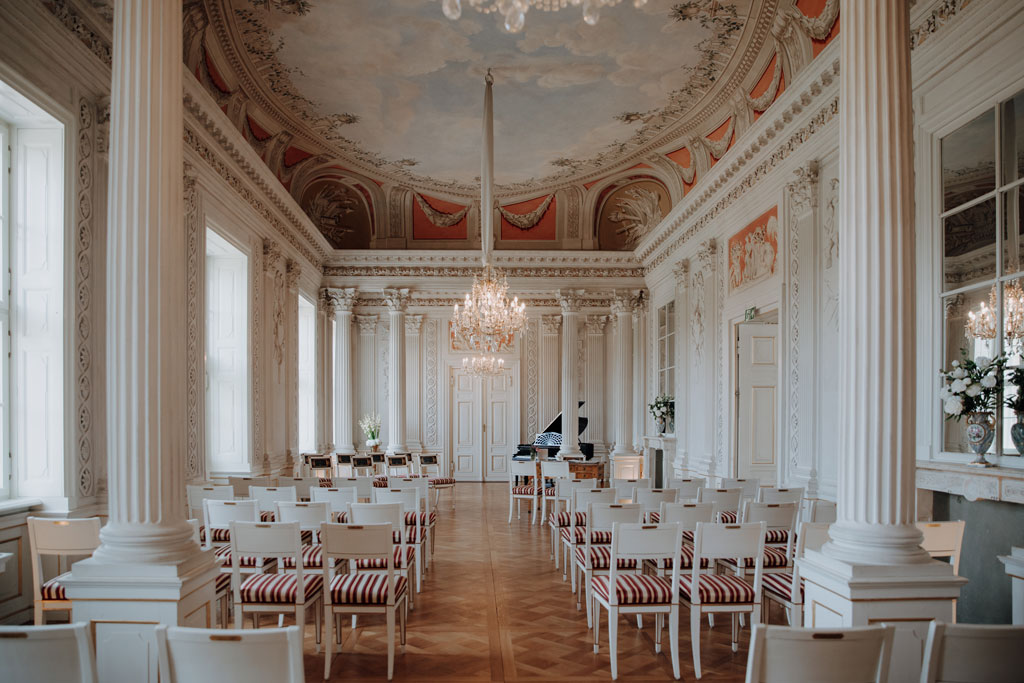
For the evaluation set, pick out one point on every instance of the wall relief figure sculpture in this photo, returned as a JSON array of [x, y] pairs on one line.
[[754, 250], [329, 209], [628, 209]]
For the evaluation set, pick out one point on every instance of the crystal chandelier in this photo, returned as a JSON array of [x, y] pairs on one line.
[[982, 324], [514, 11], [487, 322]]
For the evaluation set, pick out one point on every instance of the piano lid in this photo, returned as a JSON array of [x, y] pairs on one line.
[[556, 424]]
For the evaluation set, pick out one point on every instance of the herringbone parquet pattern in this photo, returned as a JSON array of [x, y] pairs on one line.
[[493, 608]]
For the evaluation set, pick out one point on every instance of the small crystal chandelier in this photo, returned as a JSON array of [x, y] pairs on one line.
[[487, 322], [514, 11], [982, 324]]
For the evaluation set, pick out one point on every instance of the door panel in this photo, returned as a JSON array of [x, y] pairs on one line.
[[484, 413], [502, 403], [757, 375], [467, 425]]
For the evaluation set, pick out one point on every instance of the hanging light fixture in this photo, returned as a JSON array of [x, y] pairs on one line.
[[982, 323], [487, 322], [514, 11]]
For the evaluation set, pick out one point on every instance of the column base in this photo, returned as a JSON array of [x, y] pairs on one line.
[[346, 449], [123, 602], [626, 465], [839, 593]]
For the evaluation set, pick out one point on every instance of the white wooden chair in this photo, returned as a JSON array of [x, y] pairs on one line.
[[650, 500], [636, 593], [303, 485], [196, 494], [552, 470], [186, 655], [817, 510], [706, 593], [65, 539], [362, 484], [337, 500], [221, 585], [416, 535], [218, 517], [267, 497], [726, 502], [309, 517], [241, 484], [343, 465], [404, 560], [362, 592], [47, 653], [780, 528], [687, 516], [399, 465], [962, 653], [593, 557], [687, 487], [625, 489], [774, 494], [943, 539], [259, 594], [428, 513], [750, 486], [429, 465], [558, 518], [788, 589], [517, 494], [779, 654], [572, 536], [362, 466]]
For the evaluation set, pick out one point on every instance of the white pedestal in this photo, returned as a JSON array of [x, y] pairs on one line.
[[666, 443], [842, 594], [1014, 565]]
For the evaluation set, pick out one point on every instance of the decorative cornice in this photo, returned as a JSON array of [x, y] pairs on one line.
[[396, 299], [70, 16], [441, 301], [939, 17], [472, 271]]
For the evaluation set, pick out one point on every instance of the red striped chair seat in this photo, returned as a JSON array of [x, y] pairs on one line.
[[655, 517], [685, 559], [601, 558], [222, 582], [326, 482], [715, 589], [219, 535], [380, 483], [410, 518], [312, 558], [381, 563], [773, 558], [601, 537], [278, 588], [268, 516], [53, 590], [782, 586], [688, 536], [441, 481], [728, 517], [223, 555], [364, 589], [549, 491], [342, 518], [561, 519], [776, 536], [410, 535], [523, 490], [380, 477], [634, 589]]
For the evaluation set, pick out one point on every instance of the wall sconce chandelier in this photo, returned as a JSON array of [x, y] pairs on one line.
[[982, 323], [514, 11]]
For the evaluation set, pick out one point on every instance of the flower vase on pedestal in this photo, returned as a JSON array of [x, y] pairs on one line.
[[981, 431], [660, 423], [1017, 433]]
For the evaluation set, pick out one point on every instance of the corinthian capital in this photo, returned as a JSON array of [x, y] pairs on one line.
[[624, 301], [550, 324], [367, 323], [682, 272], [339, 298], [570, 299], [396, 299]]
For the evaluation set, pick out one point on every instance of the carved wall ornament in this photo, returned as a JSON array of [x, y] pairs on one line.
[[526, 221], [532, 377], [697, 319], [953, 307], [367, 323], [624, 302], [396, 299], [940, 16], [433, 398], [195, 346], [339, 298], [639, 212], [596, 324], [413, 324], [681, 272], [831, 227], [468, 271], [754, 250], [551, 324], [83, 303], [571, 300], [820, 26], [803, 191], [765, 99], [292, 272], [440, 218], [68, 15], [706, 255]]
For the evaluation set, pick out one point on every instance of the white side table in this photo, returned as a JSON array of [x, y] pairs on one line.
[[1014, 565]]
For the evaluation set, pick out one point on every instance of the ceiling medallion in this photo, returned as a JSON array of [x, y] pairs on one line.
[[514, 11], [487, 322]]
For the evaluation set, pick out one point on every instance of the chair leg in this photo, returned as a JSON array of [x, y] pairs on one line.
[[797, 619], [657, 633], [318, 623], [328, 645], [587, 595], [595, 608], [639, 621], [735, 630], [711, 620], [238, 616], [695, 638], [403, 618], [511, 502], [673, 639], [39, 619], [613, 631], [391, 642]]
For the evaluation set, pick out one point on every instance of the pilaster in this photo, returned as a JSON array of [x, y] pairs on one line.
[[413, 396], [342, 301], [397, 301], [550, 356], [570, 301], [292, 272], [625, 459], [594, 388], [681, 274], [366, 362]]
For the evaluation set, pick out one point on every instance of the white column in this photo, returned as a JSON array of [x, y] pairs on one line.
[[639, 402], [873, 570], [682, 277], [550, 401], [413, 397], [622, 308], [595, 390], [397, 300], [366, 378], [343, 301], [292, 272], [147, 568], [570, 301]]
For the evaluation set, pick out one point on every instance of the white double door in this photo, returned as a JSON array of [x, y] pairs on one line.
[[484, 423]]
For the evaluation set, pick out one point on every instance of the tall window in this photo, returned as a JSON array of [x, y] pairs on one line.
[[667, 349], [307, 375], [983, 246], [31, 300], [227, 356]]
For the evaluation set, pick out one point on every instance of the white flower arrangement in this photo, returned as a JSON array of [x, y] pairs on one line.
[[663, 407], [972, 386], [370, 424]]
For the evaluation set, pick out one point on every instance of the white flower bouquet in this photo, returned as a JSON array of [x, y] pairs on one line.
[[663, 408], [972, 386], [370, 424]]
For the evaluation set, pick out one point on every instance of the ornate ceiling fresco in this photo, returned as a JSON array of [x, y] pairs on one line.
[[368, 111]]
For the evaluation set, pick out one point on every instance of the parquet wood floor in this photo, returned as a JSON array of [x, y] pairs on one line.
[[493, 608]]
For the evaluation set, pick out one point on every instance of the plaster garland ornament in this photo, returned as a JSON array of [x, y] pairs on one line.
[[765, 99], [440, 218], [820, 26], [639, 212], [718, 148], [526, 221], [514, 11]]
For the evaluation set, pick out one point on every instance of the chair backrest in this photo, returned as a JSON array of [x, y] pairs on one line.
[[362, 465], [408, 498], [776, 516], [818, 510], [399, 464], [624, 488], [687, 515], [422, 484], [603, 516], [632, 541], [265, 540], [377, 513], [241, 484], [266, 497], [970, 653], [303, 485], [194, 523], [687, 487], [342, 542], [47, 653], [771, 494], [64, 538], [214, 654], [943, 539], [581, 498], [336, 499], [521, 468], [315, 463], [220, 514], [554, 469], [362, 485], [728, 541], [565, 487], [197, 494], [724, 500], [779, 654], [651, 499], [750, 486], [428, 464], [309, 515]]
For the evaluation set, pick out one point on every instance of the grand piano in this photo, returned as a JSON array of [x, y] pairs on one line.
[[549, 442]]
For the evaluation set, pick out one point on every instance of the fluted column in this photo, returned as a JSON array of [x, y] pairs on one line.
[[550, 400], [594, 369], [876, 280], [413, 394], [682, 387], [622, 308], [570, 301], [343, 300], [397, 300], [292, 273]]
